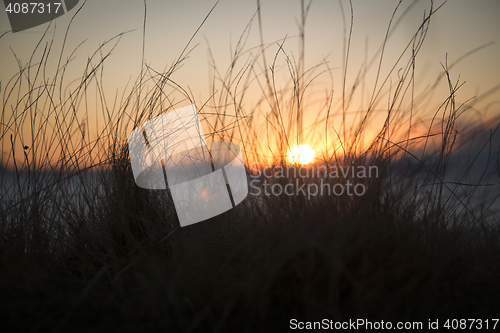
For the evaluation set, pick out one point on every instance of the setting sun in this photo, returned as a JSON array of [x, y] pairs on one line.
[[302, 154]]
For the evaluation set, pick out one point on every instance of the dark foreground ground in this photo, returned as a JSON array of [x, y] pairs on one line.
[[121, 264]]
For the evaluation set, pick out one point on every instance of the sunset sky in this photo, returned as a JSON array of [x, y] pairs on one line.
[[458, 28]]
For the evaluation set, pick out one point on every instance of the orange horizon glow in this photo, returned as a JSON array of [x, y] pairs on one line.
[[301, 154]]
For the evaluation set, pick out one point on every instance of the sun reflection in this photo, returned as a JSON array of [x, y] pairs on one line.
[[302, 154]]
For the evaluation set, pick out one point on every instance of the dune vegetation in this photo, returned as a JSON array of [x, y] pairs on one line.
[[83, 248]]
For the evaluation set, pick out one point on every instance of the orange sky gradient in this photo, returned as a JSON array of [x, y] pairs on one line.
[[463, 33]]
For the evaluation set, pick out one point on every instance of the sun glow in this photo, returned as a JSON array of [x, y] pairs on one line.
[[302, 154]]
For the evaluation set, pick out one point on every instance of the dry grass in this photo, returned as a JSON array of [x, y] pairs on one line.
[[82, 248]]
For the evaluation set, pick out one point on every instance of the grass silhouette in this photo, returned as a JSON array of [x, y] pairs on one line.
[[82, 248]]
